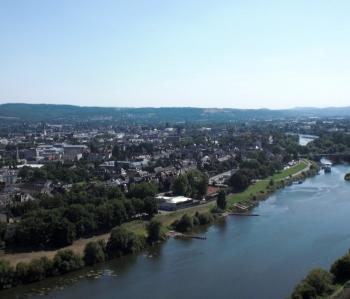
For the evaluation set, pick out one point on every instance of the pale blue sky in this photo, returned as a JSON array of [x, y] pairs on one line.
[[245, 54]]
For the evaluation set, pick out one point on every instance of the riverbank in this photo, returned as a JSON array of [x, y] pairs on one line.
[[262, 189], [240, 241], [258, 191]]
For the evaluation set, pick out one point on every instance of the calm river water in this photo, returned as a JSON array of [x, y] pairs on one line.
[[299, 228]]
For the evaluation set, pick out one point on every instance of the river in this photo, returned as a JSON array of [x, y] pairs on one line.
[[305, 139], [299, 228]]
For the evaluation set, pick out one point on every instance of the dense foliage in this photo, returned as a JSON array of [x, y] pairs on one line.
[[83, 211], [221, 201], [257, 168], [95, 252], [123, 242], [187, 222], [317, 284], [154, 231], [194, 184], [341, 268], [320, 283], [38, 269], [56, 172]]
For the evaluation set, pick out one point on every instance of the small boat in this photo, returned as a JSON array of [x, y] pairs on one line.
[[327, 169]]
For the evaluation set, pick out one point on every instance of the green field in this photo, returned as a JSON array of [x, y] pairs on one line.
[[261, 189], [290, 171]]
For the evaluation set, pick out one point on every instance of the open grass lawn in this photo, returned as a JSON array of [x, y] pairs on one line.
[[258, 189], [137, 226], [290, 171], [261, 188]]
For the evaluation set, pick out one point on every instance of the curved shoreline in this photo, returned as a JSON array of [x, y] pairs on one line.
[[253, 201]]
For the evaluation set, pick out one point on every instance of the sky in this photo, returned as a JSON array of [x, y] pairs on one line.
[[143, 53]]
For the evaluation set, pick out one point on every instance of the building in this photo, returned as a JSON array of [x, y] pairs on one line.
[[72, 152], [167, 203], [221, 178], [8, 176]]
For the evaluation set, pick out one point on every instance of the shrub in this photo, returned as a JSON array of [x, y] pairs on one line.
[[7, 275], [94, 252], [185, 224], [204, 218], [341, 268], [38, 269], [66, 261], [22, 270], [122, 242], [154, 230], [317, 283], [221, 202]]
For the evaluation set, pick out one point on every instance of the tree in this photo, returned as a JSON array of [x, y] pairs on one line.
[[221, 200], [185, 224], [104, 217], [142, 190], [198, 183], [317, 283], [31, 231], [239, 181], [94, 252], [204, 218], [38, 175], [341, 268], [154, 231], [118, 153], [180, 185], [122, 241], [66, 261], [150, 206], [63, 233], [3, 227], [84, 220]]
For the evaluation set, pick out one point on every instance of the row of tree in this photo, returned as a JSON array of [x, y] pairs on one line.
[[121, 242], [56, 172], [84, 211]]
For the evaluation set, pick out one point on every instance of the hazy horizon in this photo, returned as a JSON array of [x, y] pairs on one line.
[[138, 107], [222, 54]]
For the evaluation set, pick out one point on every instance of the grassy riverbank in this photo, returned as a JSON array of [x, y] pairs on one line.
[[257, 191], [262, 188]]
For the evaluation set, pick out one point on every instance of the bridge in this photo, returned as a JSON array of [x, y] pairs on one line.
[[318, 156]]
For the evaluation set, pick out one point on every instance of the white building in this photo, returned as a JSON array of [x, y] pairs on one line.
[[173, 203]]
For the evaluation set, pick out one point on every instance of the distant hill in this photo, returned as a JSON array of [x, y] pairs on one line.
[[62, 113], [325, 112]]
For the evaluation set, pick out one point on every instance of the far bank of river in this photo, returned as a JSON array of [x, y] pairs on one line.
[[300, 227]]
